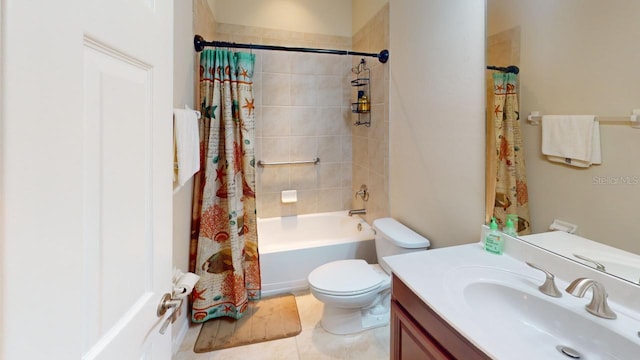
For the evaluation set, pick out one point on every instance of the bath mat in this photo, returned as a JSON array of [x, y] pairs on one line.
[[266, 319]]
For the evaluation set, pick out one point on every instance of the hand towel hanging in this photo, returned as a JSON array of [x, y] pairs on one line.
[[186, 145], [571, 139]]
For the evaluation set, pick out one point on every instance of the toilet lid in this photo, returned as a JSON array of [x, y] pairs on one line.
[[345, 277]]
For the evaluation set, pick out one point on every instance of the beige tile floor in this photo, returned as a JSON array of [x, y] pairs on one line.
[[311, 344]]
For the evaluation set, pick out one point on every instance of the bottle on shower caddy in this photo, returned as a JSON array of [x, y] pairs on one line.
[[363, 102]]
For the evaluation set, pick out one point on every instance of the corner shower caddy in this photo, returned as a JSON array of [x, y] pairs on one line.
[[362, 83]]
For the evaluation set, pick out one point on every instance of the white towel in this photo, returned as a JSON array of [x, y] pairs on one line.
[[571, 139], [186, 144]]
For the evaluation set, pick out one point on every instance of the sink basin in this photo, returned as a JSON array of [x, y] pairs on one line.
[[504, 302]]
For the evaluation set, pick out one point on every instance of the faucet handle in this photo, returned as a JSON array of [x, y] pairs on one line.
[[549, 287], [363, 193]]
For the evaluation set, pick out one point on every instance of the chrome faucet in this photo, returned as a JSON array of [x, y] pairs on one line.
[[357, 212], [598, 305]]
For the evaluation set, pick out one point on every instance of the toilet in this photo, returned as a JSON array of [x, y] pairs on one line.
[[357, 295]]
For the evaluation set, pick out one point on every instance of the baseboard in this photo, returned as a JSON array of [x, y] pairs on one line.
[[268, 290]]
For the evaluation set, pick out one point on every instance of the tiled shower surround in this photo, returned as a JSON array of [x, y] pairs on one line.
[[371, 145], [303, 111], [304, 114]]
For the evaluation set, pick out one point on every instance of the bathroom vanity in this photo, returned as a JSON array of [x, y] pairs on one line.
[[417, 332], [461, 302]]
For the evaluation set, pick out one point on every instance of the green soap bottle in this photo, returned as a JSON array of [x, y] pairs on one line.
[[509, 228], [493, 242]]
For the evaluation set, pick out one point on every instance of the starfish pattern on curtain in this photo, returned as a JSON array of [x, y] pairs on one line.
[[224, 241], [512, 199]]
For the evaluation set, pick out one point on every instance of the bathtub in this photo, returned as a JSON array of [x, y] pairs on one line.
[[291, 247]]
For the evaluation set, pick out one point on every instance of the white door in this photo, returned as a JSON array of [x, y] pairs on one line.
[[85, 178]]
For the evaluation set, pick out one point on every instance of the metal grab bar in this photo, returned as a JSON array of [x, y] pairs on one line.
[[315, 161]]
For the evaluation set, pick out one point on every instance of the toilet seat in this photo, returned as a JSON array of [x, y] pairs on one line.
[[345, 278]]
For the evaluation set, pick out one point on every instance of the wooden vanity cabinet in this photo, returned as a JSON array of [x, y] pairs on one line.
[[417, 332]]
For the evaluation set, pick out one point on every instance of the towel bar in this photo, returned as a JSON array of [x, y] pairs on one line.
[[315, 161], [535, 118]]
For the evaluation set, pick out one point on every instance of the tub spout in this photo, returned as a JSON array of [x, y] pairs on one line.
[[357, 212]]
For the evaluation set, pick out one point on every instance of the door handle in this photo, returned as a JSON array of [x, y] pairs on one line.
[[166, 303]]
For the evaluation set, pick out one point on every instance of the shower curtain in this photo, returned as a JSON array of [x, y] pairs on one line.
[[511, 195], [224, 242]]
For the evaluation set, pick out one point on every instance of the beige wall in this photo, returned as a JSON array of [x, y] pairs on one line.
[[363, 11], [183, 57], [189, 17], [2, 211], [204, 22], [183, 94], [579, 57], [371, 144], [266, 36], [205, 25], [330, 17], [436, 117]]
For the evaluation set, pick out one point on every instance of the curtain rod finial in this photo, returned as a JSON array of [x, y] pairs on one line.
[[513, 69], [383, 57], [197, 43]]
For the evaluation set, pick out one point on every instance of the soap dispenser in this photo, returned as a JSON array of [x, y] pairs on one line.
[[509, 228], [493, 242]]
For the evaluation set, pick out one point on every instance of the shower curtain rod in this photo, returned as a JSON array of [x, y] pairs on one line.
[[509, 69], [200, 43]]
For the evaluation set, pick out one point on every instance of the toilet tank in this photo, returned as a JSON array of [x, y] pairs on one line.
[[393, 238]]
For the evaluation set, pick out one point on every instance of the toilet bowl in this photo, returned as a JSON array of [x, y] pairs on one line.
[[356, 295], [352, 292]]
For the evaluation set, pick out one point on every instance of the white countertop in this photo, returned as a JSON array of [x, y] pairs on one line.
[[428, 275]]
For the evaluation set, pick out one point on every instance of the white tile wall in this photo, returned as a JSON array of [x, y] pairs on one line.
[[304, 115], [371, 144]]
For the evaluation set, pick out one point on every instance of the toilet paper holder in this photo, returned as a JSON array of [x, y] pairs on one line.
[[183, 284]]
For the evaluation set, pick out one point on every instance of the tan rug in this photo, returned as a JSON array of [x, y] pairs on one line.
[[266, 319]]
